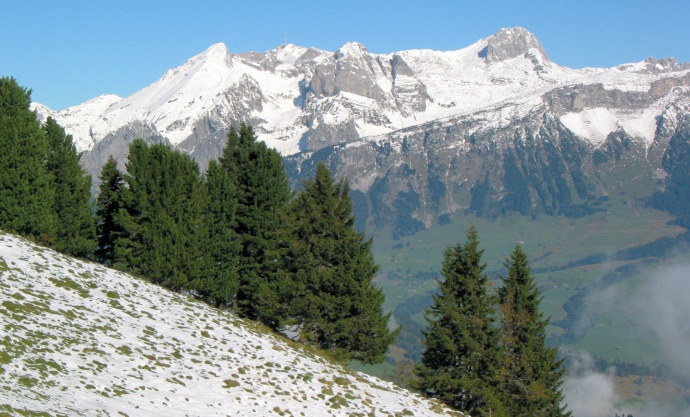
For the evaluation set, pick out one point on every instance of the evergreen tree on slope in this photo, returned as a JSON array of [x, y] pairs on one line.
[[108, 204], [460, 356], [165, 234], [76, 232], [530, 375], [26, 191], [223, 281], [261, 225], [342, 307]]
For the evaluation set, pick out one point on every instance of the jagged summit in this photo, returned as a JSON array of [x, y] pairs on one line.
[[655, 66], [351, 49], [217, 51], [291, 53], [217, 48], [510, 43], [216, 57]]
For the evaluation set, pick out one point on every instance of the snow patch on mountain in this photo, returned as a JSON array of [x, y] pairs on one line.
[[77, 119], [79, 339], [597, 123]]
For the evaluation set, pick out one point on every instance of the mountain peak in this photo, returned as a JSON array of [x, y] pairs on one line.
[[351, 49], [217, 49], [216, 53], [510, 43], [216, 56]]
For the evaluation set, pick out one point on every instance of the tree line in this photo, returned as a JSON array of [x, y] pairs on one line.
[[235, 236], [44, 192]]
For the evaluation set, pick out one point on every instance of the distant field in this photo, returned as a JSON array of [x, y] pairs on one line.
[[652, 395], [409, 265]]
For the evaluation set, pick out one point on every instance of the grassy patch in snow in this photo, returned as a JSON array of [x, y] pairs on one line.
[[7, 410]]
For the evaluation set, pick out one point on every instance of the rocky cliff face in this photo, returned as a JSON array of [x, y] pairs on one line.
[[532, 163], [510, 43]]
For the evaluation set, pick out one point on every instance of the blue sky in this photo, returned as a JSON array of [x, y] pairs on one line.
[[68, 52]]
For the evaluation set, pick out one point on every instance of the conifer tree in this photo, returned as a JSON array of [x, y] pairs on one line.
[[76, 231], [132, 212], [108, 204], [530, 374], [460, 356], [263, 192], [165, 234], [221, 286], [342, 309], [26, 192]]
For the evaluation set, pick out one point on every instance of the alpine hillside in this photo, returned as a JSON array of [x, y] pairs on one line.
[[79, 339]]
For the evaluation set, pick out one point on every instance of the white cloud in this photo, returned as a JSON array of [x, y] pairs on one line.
[[588, 393]]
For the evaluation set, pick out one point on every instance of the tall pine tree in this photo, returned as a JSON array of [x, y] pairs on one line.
[[342, 309], [530, 374], [76, 231], [26, 191], [263, 192], [460, 356], [108, 204]]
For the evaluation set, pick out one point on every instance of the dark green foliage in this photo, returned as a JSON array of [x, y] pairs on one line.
[[76, 231], [165, 236], [263, 192], [530, 374], [341, 307], [26, 189], [224, 243], [108, 204], [461, 343]]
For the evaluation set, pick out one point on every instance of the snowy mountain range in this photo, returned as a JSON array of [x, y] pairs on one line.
[[371, 114], [82, 340], [291, 91]]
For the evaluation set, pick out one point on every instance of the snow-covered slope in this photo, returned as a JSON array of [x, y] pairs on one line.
[[304, 99], [80, 339]]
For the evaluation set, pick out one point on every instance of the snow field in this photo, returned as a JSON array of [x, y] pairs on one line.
[[80, 339]]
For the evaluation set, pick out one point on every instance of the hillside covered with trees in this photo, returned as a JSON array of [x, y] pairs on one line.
[[234, 237]]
